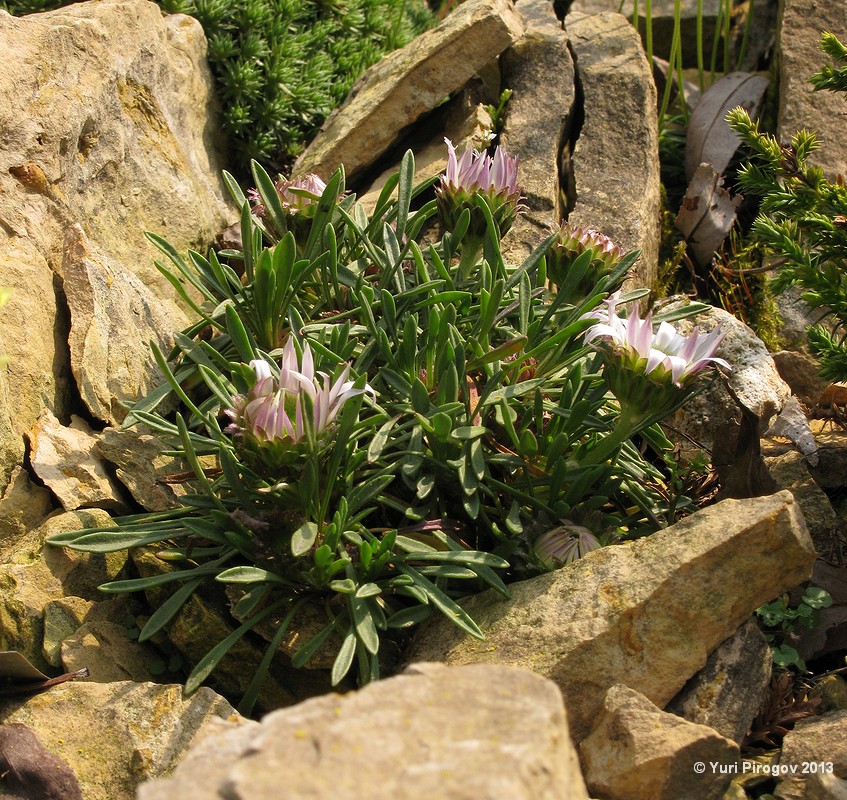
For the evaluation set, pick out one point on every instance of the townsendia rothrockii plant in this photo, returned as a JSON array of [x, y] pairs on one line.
[[375, 429]]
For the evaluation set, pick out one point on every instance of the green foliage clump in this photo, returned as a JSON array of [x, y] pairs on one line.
[[780, 618], [803, 224], [281, 66], [376, 428]]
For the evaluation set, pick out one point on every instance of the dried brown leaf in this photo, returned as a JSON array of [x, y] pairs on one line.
[[710, 140], [707, 214]]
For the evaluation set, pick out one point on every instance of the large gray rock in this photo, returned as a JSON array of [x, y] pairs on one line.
[[406, 84], [539, 70], [480, 731], [646, 613], [107, 115], [615, 160], [638, 752], [113, 736], [727, 693], [800, 25]]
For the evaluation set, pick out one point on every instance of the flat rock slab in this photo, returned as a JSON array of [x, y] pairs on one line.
[[645, 613], [639, 752], [539, 70], [615, 160], [115, 735], [408, 83], [481, 731], [800, 57]]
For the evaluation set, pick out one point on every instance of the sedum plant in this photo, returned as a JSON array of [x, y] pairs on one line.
[[376, 428], [803, 221]]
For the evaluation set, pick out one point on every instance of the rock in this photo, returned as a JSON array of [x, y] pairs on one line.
[[63, 458], [115, 735], [62, 618], [100, 638], [731, 416], [539, 70], [215, 748], [727, 693], [800, 372], [140, 465], [831, 472], [637, 752], [791, 429], [646, 612], [104, 648], [408, 83], [791, 471], [662, 17], [32, 575], [618, 144], [22, 505], [816, 740], [38, 372], [467, 124], [800, 56], [469, 732], [832, 692], [108, 121], [114, 316]]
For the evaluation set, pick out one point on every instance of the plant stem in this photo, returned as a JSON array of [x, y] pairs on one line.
[[625, 427], [469, 257]]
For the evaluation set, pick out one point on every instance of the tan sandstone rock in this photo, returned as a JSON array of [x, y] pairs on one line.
[[638, 752], [107, 115], [647, 613], [406, 84], [457, 734], [819, 741], [113, 736], [63, 457]]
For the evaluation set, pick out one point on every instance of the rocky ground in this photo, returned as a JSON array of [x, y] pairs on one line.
[[612, 678]]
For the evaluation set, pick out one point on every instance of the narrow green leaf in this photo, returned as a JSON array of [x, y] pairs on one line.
[[212, 658], [168, 610]]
